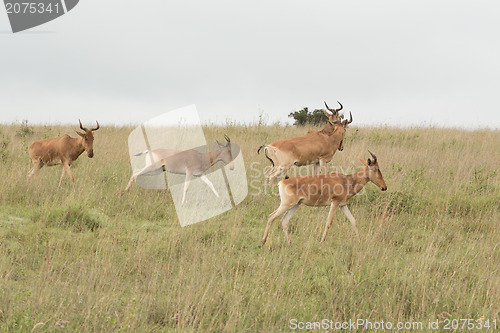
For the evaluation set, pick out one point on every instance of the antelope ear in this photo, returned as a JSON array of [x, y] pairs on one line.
[[220, 144], [363, 161], [80, 134]]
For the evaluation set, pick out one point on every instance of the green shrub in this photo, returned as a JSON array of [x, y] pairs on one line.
[[24, 130], [304, 117]]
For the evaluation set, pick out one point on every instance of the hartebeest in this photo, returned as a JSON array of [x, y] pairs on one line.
[[314, 147], [189, 162], [332, 189], [62, 150]]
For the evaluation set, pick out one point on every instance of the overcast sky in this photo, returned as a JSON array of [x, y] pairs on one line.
[[410, 63]]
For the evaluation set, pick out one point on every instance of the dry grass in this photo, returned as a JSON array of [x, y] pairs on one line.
[[92, 261]]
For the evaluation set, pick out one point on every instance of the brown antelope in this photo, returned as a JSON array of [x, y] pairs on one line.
[[62, 150], [314, 147], [332, 189], [187, 162]]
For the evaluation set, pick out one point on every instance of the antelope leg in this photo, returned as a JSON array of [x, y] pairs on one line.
[[209, 183], [281, 209], [36, 166], [273, 172], [329, 219], [68, 171], [67, 168], [61, 179], [349, 216], [286, 219], [322, 166], [129, 184], [315, 168], [149, 169], [186, 185], [277, 171]]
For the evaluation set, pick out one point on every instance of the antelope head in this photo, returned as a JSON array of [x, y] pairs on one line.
[[226, 156], [373, 173], [334, 120], [88, 138], [333, 117]]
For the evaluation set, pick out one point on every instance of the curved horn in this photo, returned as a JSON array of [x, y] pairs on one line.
[[227, 138], [347, 122], [334, 110], [95, 129], [373, 156], [341, 106], [328, 107], [83, 128]]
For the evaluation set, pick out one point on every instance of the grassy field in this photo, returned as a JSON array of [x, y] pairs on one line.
[[91, 260]]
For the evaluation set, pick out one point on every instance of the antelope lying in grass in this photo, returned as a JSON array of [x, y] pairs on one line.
[[187, 162], [62, 150], [332, 189], [314, 147]]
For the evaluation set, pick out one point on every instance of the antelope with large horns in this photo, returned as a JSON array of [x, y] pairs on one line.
[[332, 189], [62, 150], [187, 162], [314, 147], [334, 112]]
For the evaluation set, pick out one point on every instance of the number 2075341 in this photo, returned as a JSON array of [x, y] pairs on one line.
[[32, 8], [469, 324]]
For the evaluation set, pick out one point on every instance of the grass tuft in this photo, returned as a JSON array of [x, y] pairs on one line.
[[75, 216]]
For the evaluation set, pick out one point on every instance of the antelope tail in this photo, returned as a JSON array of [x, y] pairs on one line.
[[265, 152]]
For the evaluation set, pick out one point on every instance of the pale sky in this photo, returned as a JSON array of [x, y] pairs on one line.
[[397, 63]]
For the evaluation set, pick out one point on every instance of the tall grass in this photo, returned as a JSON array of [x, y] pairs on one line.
[[91, 260]]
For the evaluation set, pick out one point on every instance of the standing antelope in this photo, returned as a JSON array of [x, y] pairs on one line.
[[62, 150], [189, 162], [332, 189], [314, 147]]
